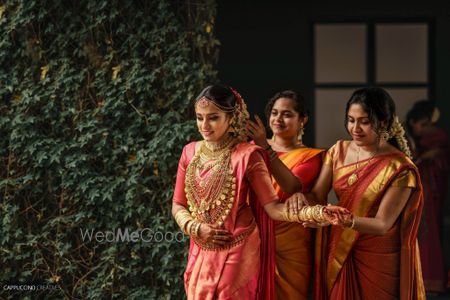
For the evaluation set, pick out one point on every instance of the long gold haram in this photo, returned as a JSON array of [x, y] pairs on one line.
[[210, 200]]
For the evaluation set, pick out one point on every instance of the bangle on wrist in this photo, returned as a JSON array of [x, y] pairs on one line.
[[353, 223]]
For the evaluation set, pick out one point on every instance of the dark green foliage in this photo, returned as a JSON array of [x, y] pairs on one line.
[[94, 111]]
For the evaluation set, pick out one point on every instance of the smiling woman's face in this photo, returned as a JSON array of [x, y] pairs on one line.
[[212, 123], [360, 127], [284, 119]]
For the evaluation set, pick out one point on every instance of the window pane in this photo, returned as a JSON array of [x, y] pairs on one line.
[[340, 53], [401, 52], [404, 99], [330, 115]]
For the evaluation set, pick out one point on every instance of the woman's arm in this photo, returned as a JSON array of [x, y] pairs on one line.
[[391, 206], [318, 194]]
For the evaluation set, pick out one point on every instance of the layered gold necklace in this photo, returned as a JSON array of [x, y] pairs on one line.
[[354, 177], [210, 184]]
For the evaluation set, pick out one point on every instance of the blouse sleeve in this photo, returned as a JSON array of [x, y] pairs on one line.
[[179, 195], [259, 178], [406, 178], [331, 153]]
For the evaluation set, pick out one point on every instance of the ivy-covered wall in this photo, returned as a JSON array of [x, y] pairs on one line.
[[94, 111]]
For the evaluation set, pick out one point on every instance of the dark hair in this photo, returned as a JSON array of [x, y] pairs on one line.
[[220, 95], [299, 102], [378, 105], [422, 109]]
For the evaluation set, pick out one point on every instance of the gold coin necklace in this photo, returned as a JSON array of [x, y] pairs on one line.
[[210, 183]]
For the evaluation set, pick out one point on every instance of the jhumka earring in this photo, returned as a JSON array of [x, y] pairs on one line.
[[384, 134], [301, 132]]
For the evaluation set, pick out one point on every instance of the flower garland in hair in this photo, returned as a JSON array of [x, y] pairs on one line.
[[398, 132], [240, 118]]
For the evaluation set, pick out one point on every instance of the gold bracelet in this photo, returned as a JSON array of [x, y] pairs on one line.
[[196, 229], [182, 217], [312, 213], [307, 213], [189, 227], [353, 223]]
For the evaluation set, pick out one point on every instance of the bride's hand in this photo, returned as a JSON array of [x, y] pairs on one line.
[[338, 215], [214, 234], [312, 224]]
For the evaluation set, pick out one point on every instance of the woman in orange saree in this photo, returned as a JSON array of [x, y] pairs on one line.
[[222, 200], [294, 168], [372, 252]]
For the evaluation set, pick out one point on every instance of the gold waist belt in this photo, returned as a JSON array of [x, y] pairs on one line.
[[234, 242]]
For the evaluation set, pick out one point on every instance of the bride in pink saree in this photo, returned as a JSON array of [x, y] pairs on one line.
[[223, 199]]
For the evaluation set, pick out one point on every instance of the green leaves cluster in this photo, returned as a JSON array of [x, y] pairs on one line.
[[94, 111]]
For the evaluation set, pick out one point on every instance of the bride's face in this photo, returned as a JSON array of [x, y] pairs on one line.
[[213, 123]]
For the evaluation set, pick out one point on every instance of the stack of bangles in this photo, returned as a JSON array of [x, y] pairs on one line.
[[272, 153], [187, 223], [314, 213]]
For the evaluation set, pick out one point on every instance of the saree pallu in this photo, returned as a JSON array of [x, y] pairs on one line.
[[353, 265], [244, 269], [294, 245]]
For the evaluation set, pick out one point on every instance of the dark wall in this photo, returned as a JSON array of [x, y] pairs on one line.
[[267, 46]]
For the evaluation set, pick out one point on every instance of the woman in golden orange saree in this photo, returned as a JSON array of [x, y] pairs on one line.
[[372, 253], [294, 168], [222, 194]]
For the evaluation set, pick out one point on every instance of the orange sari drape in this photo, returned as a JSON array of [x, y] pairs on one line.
[[294, 244], [352, 265]]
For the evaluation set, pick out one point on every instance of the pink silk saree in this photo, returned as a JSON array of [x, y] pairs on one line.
[[244, 270]]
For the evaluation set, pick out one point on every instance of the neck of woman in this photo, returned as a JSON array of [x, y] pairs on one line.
[[282, 144], [224, 142], [374, 148]]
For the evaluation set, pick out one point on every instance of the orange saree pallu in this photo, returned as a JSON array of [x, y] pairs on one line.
[[353, 265], [245, 268], [294, 243]]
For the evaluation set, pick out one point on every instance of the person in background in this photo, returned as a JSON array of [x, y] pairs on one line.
[[294, 168], [371, 251], [431, 150]]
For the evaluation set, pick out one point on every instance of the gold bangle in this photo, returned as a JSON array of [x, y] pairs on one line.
[[182, 217], [196, 229], [353, 223], [189, 227], [312, 213]]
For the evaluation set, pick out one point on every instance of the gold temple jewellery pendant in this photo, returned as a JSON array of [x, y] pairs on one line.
[[352, 179]]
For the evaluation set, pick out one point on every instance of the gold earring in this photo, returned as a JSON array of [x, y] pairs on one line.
[[384, 134], [301, 132]]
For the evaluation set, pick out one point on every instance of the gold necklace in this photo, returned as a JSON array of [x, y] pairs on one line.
[[211, 198], [354, 177]]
